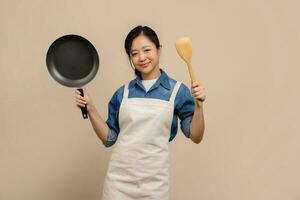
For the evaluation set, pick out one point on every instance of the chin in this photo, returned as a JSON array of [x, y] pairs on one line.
[[146, 70]]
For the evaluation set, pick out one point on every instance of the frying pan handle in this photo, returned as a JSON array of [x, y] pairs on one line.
[[83, 109]]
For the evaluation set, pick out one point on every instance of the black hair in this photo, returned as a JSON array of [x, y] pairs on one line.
[[135, 32]]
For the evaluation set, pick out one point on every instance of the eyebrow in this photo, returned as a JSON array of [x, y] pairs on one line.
[[142, 48]]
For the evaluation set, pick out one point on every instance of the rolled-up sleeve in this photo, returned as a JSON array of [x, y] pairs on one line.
[[184, 108], [113, 117]]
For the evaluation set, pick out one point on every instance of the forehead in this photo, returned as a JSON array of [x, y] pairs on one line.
[[140, 42]]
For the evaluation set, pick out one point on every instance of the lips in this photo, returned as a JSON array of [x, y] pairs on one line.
[[144, 65]]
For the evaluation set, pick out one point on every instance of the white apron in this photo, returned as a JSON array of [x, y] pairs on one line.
[[139, 164]]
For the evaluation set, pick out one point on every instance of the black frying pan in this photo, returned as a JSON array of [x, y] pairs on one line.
[[73, 62]]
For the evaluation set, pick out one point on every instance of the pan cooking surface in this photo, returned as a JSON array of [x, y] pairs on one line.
[[72, 60]]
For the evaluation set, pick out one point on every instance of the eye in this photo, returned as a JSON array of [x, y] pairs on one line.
[[147, 51], [133, 54]]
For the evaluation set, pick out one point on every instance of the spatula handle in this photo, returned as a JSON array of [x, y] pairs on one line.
[[193, 79]]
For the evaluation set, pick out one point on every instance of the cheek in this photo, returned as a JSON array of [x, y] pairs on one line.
[[156, 54], [154, 57], [134, 60]]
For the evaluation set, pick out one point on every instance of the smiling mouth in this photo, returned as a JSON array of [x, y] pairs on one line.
[[145, 65]]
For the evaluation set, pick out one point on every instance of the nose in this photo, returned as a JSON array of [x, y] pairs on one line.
[[142, 57]]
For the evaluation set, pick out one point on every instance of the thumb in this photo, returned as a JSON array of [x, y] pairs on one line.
[[84, 88]]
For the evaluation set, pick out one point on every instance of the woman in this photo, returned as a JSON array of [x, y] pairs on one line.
[[142, 120]]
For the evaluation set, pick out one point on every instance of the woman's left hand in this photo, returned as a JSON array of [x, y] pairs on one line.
[[198, 91]]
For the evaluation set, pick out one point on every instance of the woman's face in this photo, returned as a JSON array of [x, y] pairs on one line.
[[144, 55]]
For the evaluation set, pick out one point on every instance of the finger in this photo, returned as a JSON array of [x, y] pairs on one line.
[[84, 89], [198, 84], [200, 98], [195, 84], [80, 101], [197, 89], [199, 94], [78, 93], [78, 96], [80, 105], [195, 95], [200, 88]]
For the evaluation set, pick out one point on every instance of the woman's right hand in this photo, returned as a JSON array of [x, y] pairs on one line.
[[81, 101]]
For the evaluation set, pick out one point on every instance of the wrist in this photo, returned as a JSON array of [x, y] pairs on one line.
[[90, 107], [198, 108]]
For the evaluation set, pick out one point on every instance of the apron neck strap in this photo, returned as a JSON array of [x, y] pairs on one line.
[[126, 91], [175, 90]]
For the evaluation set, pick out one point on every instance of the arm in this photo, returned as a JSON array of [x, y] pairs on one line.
[[197, 125], [99, 125]]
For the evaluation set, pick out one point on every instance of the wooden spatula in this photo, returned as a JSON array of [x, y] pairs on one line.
[[184, 49]]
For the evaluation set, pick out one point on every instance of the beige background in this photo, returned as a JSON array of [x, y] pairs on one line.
[[246, 53]]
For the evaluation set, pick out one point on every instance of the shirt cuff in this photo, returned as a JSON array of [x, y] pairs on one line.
[[111, 138], [185, 126]]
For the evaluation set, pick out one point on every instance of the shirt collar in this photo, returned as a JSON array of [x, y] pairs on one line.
[[162, 80]]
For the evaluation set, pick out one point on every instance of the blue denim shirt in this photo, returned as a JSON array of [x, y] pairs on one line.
[[162, 89]]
